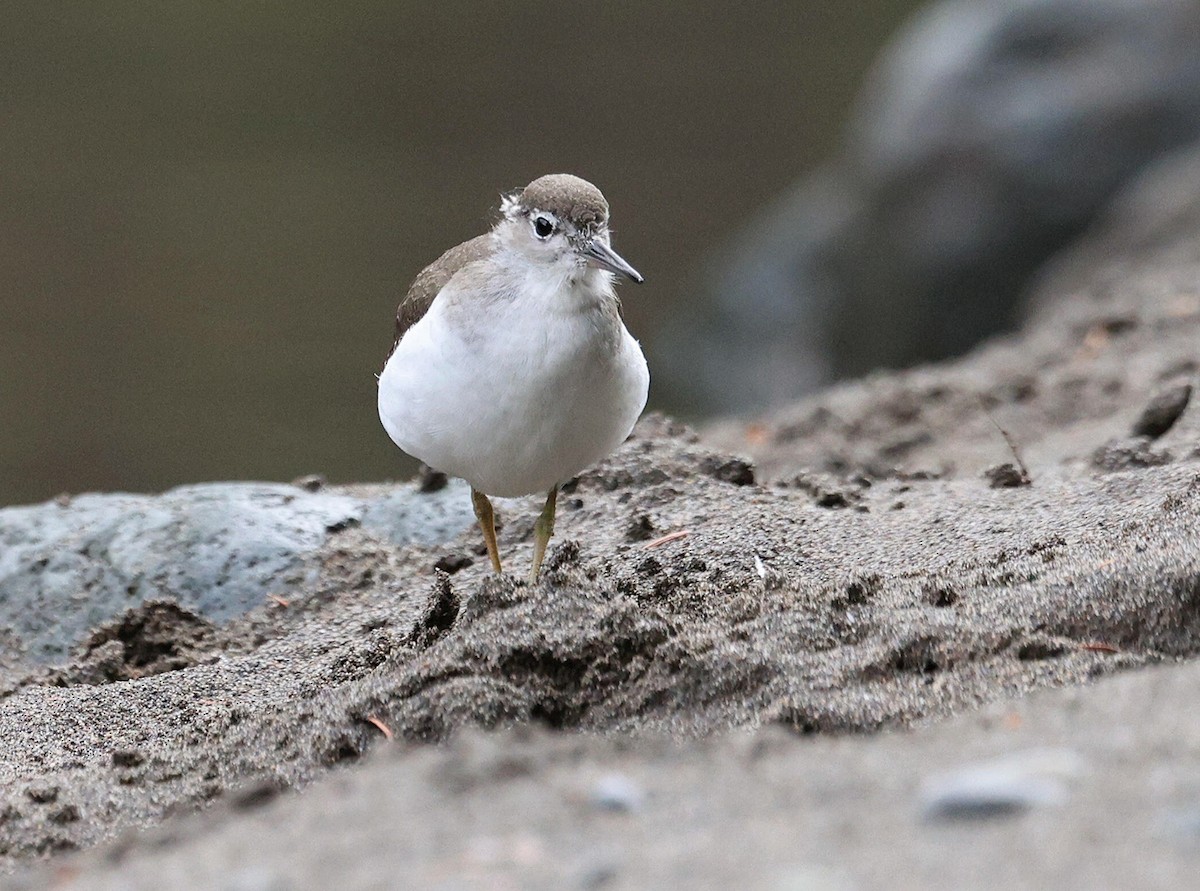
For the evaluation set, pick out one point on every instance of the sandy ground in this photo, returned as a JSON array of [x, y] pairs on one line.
[[735, 669], [1102, 786]]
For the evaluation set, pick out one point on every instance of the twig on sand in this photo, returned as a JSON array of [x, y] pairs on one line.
[[381, 727], [1026, 479], [669, 537]]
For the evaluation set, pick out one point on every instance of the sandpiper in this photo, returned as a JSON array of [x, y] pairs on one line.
[[511, 367]]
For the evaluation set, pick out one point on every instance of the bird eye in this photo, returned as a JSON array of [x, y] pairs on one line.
[[543, 228]]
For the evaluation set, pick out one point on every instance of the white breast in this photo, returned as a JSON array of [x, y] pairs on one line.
[[517, 392]]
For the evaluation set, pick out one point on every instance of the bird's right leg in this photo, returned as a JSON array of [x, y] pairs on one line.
[[487, 522]]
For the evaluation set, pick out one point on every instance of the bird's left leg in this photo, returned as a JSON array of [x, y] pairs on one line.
[[542, 530], [487, 523]]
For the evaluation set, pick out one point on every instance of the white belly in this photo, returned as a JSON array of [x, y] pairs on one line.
[[518, 404]]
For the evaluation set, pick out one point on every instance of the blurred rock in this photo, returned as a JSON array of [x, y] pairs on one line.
[[617, 792], [425, 516], [1006, 476], [1129, 454], [1161, 413], [217, 549], [987, 137], [1002, 788]]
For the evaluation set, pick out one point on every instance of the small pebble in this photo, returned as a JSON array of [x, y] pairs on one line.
[[1161, 412], [1130, 454], [616, 792], [313, 482], [1006, 476], [1004, 787]]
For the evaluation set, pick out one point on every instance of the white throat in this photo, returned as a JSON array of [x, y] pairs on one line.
[[562, 287]]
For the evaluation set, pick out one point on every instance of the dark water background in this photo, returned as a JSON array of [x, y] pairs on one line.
[[209, 210]]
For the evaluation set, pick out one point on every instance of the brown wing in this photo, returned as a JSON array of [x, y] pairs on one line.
[[432, 279]]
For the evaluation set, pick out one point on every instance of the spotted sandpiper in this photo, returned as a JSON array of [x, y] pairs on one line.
[[511, 366]]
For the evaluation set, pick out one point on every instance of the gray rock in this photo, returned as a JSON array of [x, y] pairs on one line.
[[402, 516], [1161, 413], [1005, 787], [217, 549], [1129, 454], [617, 792], [988, 136]]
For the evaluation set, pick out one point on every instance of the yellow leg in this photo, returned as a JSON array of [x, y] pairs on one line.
[[542, 530], [487, 522]]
